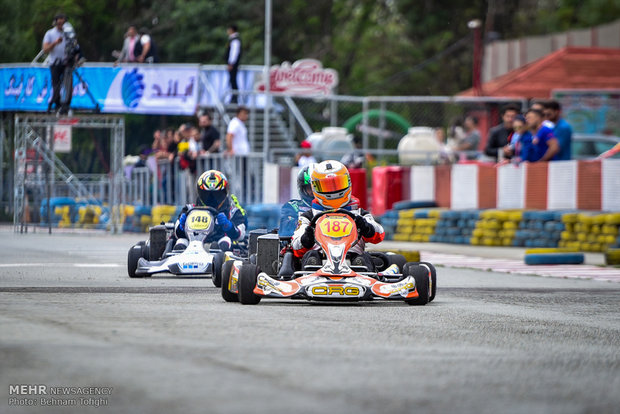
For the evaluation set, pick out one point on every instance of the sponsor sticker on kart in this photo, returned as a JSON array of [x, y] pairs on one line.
[[336, 226], [403, 287], [270, 285], [199, 220], [340, 290]]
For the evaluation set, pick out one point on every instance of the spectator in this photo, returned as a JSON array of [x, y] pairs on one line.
[[499, 135], [127, 55], [237, 134], [54, 45], [472, 137], [209, 135], [161, 143], [145, 50], [305, 157], [521, 142], [445, 155], [544, 145], [540, 105], [357, 157], [562, 130], [233, 57]]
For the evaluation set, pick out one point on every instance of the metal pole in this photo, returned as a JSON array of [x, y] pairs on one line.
[[266, 137], [476, 70]]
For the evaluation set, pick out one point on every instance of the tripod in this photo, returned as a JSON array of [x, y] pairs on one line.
[[66, 93]]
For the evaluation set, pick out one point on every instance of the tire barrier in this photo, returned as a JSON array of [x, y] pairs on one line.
[[554, 258], [561, 231], [612, 257]]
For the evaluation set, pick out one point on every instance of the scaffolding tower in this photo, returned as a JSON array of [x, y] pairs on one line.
[[34, 132]]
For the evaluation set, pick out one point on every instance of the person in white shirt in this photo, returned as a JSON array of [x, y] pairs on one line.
[[54, 45], [237, 134]]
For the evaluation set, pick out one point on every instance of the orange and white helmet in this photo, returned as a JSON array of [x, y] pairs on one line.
[[331, 184]]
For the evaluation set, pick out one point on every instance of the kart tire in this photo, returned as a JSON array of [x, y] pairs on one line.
[[134, 254], [226, 273], [216, 271], [433, 280], [157, 242], [397, 259], [420, 274], [247, 283]]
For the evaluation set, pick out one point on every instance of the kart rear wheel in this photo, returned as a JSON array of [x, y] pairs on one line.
[[420, 274], [134, 254], [247, 283], [226, 273], [216, 268], [397, 259]]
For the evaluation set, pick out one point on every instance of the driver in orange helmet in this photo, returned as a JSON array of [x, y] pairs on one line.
[[331, 186]]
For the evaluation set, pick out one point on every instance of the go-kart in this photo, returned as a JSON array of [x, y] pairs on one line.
[[337, 278], [156, 255]]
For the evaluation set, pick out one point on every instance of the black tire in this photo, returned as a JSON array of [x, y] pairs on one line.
[[433, 280], [226, 273], [157, 242], [247, 283], [399, 260], [134, 254], [216, 268], [420, 274], [67, 90]]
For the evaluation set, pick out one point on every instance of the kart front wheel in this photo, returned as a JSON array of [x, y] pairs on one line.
[[216, 271], [227, 269], [433, 280], [397, 259], [420, 274], [247, 283], [134, 254]]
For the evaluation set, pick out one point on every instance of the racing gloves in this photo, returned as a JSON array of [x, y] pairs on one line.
[[365, 229], [182, 219], [307, 239], [222, 221]]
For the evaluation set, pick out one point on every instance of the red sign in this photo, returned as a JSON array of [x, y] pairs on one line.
[[304, 77]]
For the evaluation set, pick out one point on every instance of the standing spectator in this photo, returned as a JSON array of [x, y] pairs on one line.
[[237, 134], [233, 57], [562, 130], [209, 135], [305, 157], [540, 105], [521, 143], [500, 134], [55, 46], [472, 137], [544, 145], [357, 157], [127, 54], [145, 50]]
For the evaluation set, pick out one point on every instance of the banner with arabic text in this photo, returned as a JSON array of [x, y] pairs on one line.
[[138, 89]]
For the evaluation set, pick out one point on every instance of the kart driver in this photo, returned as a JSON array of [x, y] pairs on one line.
[[289, 213], [231, 220], [331, 186]]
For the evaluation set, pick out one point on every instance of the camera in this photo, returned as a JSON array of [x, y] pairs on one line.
[[72, 47]]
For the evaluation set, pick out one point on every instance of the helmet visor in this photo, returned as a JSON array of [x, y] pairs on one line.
[[331, 184], [212, 198]]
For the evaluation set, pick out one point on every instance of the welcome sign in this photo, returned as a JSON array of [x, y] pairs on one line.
[[304, 77]]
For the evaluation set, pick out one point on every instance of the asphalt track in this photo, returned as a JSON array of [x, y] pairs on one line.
[[490, 343]]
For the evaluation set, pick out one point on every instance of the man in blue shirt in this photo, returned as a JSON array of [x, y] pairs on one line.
[[544, 144], [562, 130]]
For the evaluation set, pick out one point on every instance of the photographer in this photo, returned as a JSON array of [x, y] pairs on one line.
[[63, 50]]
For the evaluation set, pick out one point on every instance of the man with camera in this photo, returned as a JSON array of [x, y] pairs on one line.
[[55, 44]]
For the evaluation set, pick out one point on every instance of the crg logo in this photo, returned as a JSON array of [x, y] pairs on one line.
[[335, 290]]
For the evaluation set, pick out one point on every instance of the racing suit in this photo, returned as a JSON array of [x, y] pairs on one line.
[[305, 246], [289, 216], [230, 225]]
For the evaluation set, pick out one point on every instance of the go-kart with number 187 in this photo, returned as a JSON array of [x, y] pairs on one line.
[[335, 279]]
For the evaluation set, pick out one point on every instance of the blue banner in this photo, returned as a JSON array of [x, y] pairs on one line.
[[142, 89]]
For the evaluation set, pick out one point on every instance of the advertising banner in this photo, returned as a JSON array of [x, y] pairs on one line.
[[132, 89], [304, 77]]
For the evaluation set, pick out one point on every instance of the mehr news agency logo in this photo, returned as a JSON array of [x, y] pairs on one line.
[[58, 396]]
